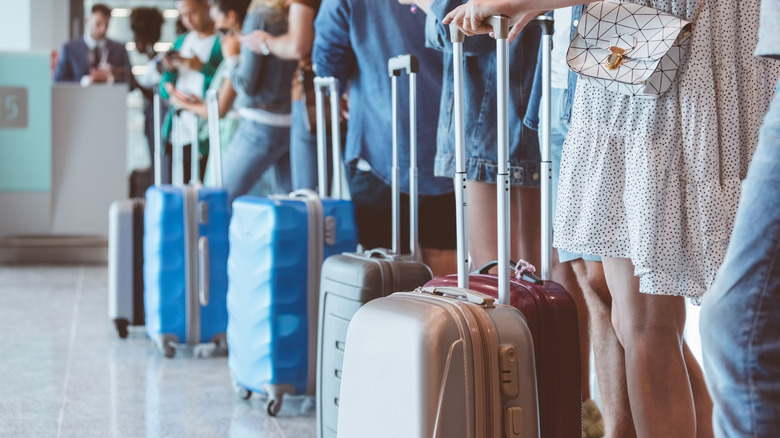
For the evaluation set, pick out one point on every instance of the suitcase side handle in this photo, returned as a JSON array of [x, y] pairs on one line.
[[204, 276], [459, 292], [533, 278]]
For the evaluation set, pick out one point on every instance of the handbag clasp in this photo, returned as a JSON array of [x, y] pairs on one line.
[[615, 58]]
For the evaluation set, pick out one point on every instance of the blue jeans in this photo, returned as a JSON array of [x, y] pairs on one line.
[[559, 128], [740, 320], [255, 147], [303, 150]]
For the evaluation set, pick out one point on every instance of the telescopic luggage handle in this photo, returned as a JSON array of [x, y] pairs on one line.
[[546, 23], [395, 67], [158, 150], [500, 26], [332, 85], [215, 141]]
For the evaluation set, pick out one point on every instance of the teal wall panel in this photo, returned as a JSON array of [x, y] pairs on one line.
[[25, 145]]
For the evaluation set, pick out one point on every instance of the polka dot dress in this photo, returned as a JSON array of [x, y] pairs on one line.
[[658, 180]]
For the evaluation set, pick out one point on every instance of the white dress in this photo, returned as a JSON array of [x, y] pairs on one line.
[[658, 180]]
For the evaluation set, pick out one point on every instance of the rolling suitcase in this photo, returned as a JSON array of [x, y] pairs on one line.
[[185, 258], [277, 246], [352, 279], [125, 247], [441, 361], [549, 310], [125, 264]]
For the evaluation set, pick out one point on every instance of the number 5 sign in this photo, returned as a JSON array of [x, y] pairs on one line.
[[13, 107]]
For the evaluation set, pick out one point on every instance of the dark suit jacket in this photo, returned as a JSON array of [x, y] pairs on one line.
[[74, 61]]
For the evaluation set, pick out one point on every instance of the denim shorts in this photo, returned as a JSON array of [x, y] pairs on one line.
[[558, 130], [482, 159]]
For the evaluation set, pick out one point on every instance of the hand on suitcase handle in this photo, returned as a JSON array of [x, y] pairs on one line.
[[499, 24]]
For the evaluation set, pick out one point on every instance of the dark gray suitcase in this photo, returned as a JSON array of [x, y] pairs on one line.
[[350, 280]]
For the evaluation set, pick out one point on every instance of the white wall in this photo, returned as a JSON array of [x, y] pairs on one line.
[[33, 24], [15, 29]]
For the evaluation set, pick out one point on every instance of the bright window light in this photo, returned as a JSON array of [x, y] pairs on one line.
[[170, 13], [162, 47], [140, 70], [120, 12]]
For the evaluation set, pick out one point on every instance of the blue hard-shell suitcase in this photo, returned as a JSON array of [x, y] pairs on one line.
[[185, 263], [277, 246]]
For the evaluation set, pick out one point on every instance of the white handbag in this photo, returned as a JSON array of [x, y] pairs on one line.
[[629, 48]]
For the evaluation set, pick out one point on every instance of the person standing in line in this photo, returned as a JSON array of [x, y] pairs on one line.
[[353, 41], [189, 70], [262, 82], [93, 58], [652, 186], [740, 318], [296, 45]]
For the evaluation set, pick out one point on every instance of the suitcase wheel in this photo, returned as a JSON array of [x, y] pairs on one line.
[[121, 325], [244, 393], [272, 406]]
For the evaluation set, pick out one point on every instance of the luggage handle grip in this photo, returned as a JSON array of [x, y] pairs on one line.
[[499, 23], [380, 253], [468, 294], [203, 270], [406, 63], [529, 275]]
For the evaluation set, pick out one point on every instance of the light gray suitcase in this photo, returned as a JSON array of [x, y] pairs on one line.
[[125, 250], [350, 280], [443, 361]]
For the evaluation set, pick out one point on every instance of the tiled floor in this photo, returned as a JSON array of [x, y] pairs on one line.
[[65, 373]]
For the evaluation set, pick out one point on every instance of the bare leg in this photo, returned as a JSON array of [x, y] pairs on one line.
[[441, 261], [650, 329], [564, 275], [609, 355], [482, 223], [701, 396]]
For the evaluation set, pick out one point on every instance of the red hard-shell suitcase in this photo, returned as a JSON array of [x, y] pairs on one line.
[[547, 307]]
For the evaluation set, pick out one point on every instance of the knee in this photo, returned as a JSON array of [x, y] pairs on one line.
[[590, 276]]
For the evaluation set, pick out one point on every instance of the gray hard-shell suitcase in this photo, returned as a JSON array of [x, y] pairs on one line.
[[350, 280], [125, 248], [442, 361], [126, 264]]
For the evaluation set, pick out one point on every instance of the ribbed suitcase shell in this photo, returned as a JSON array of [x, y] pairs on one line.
[[552, 318], [165, 268], [348, 282], [420, 365], [270, 310]]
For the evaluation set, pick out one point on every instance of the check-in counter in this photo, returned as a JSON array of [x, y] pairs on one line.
[[63, 154]]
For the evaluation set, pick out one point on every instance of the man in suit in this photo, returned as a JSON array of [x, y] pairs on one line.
[[94, 58]]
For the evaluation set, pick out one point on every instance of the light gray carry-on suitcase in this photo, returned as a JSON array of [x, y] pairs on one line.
[[443, 361], [126, 250], [350, 280]]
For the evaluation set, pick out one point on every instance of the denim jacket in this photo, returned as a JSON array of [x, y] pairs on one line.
[[479, 81], [263, 81], [353, 41], [531, 119]]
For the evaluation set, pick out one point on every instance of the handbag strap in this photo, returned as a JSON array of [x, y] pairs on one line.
[[696, 18]]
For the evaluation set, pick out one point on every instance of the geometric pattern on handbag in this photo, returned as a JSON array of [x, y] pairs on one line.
[[628, 48]]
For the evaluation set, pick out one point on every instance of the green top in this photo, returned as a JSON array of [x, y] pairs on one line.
[[208, 70]]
